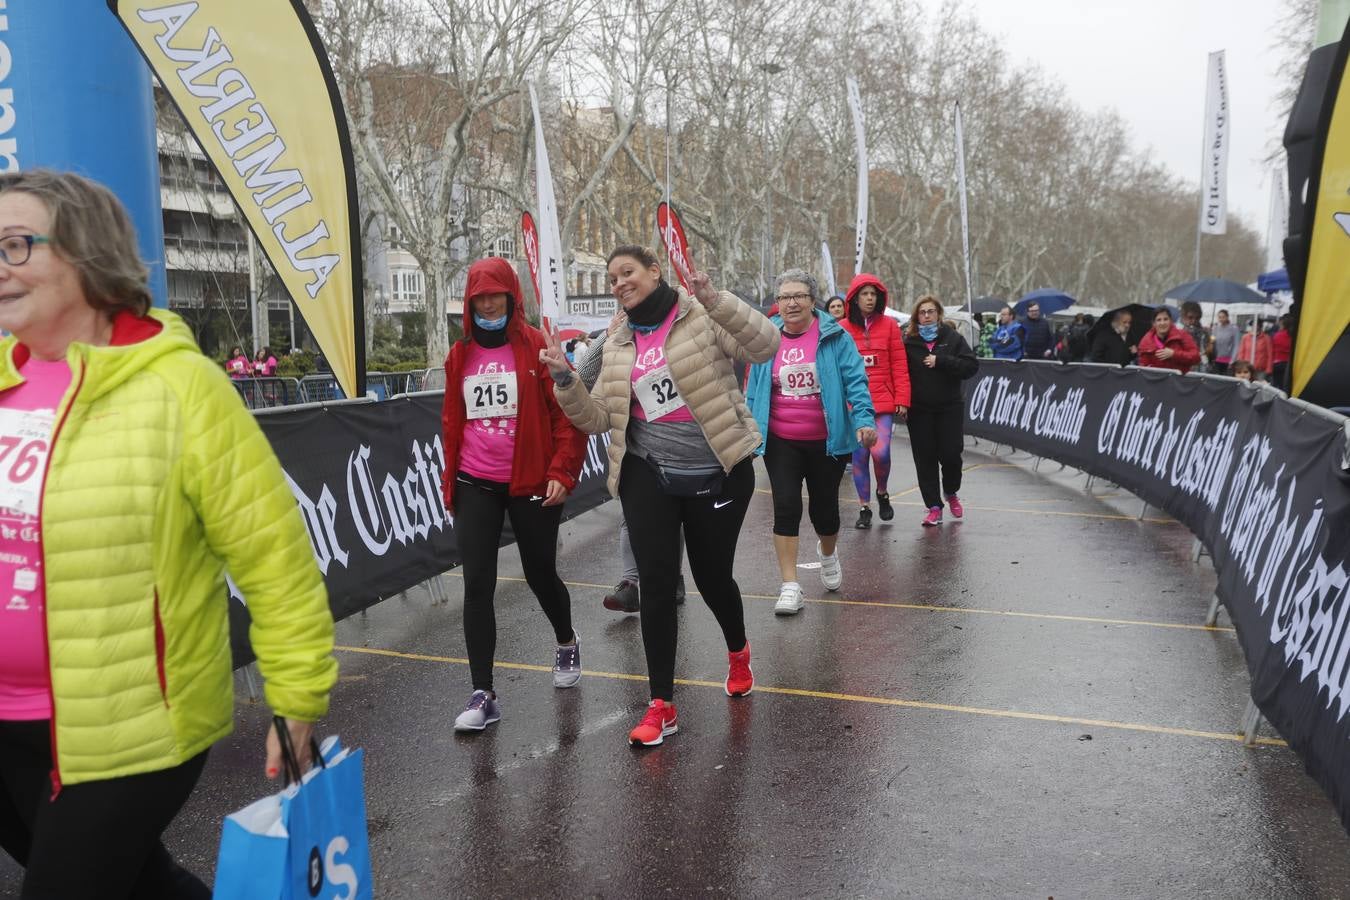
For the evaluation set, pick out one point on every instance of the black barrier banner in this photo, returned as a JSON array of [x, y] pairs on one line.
[[1260, 480], [367, 478]]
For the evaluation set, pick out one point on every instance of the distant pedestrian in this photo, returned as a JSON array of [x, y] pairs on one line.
[[1242, 370], [878, 338], [510, 453], [1010, 336], [238, 365], [1190, 323], [1225, 337], [1111, 344], [1256, 348], [939, 360], [264, 363], [836, 307], [1076, 338], [1281, 348], [1167, 346], [813, 406], [1040, 339]]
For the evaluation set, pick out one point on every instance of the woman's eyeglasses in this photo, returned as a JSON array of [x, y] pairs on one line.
[[16, 248]]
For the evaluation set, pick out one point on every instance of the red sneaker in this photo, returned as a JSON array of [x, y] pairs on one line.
[[659, 721], [740, 680], [954, 504], [934, 517]]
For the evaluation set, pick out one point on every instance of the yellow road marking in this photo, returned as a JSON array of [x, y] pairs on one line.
[[854, 698], [1054, 512], [926, 607]]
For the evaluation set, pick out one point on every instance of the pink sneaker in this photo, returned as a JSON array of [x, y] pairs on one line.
[[934, 517], [954, 502]]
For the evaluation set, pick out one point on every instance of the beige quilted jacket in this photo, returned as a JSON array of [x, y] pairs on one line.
[[702, 351]]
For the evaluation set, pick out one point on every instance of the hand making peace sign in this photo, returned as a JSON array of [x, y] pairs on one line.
[[552, 355]]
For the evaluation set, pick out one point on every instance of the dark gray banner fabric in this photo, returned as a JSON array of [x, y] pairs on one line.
[[1260, 480], [367, 479]]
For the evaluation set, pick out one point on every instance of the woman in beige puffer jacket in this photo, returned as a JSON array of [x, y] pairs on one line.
[[681, 440]]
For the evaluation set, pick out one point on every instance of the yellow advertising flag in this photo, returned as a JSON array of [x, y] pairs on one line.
[[253, 83], [1324, 305]]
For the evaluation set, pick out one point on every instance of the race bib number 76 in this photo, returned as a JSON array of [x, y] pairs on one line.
[[25, 439]]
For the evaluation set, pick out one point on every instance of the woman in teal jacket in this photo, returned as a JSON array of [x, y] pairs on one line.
[[812, 404]]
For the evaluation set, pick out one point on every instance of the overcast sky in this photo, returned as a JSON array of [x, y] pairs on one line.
[[1147, 59]]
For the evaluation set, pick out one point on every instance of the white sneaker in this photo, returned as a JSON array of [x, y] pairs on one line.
[[789, 600], [831, 573]]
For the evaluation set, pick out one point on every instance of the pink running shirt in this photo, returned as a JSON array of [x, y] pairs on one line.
[[795, 411], [27, 418], [655, 397], [490, 405]]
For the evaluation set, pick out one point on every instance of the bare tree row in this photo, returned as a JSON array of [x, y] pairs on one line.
[[743, 103]]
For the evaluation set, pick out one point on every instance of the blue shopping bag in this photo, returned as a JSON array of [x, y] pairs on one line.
[[329, 849], [307, 841]]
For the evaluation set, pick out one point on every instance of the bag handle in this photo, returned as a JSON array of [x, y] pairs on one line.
[[290, 763]]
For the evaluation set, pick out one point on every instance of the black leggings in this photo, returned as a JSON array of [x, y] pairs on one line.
[[936, 437], [788, 464], [480, 508], [711, 526], [97, 839]]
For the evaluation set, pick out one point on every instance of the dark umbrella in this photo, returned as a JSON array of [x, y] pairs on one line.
[[1051, 301], [1140, 322], [1271, 282], [1214, 290], [988, 304]]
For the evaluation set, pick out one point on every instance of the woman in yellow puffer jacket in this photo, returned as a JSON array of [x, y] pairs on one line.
[[131, 478]]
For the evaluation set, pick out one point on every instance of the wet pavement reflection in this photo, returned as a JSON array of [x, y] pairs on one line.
[[1019, 704]]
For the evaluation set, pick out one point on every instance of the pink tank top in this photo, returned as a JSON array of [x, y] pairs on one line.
[[27, 419], [655, 397], [795, 411], [490, 403]]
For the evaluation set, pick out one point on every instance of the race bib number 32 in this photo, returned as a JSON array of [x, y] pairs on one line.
[[657, 393], [490, 396], [25, 439]]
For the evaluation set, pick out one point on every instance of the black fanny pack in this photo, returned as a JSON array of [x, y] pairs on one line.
[[696, 481]]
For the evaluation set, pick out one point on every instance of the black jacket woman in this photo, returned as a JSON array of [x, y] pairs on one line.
[[939, 360]]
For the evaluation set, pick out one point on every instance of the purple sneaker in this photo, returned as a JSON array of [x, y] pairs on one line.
[[567, 664], [481, 711]]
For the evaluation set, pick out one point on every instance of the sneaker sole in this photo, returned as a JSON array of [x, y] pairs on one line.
[[786, 610], [931, 524], [666, 731], [463, 729], [563, 683], [618, 607]]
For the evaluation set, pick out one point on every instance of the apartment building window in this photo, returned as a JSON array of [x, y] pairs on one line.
[[407, 286], [504, 246]]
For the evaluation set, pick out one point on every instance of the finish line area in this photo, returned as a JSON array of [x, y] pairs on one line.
[[1024, 703]]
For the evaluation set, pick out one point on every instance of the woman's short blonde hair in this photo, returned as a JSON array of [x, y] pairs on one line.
[[90, 230]]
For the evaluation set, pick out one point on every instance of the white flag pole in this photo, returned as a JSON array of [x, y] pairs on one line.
[[1214, 156], [670, 218], [827, 262], [965, 221], [1277, 220], [552, 281], [860, 136]]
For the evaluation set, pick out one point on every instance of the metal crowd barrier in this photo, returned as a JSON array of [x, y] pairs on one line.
[[264, 393]]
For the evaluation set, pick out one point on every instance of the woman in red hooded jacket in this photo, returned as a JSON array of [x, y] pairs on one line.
[[509, 451], [883, 351], [1167, 347]]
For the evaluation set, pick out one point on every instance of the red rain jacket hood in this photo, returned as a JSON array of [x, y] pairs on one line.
[[881, 346], [548, 447]]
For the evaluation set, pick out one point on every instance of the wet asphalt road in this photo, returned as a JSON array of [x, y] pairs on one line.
[[1019, 705]]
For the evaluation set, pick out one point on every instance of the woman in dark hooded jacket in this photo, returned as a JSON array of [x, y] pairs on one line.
[[509, 451], [939, 360], [878, 338]]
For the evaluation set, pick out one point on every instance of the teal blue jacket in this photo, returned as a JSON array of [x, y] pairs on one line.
[[843, 389]]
